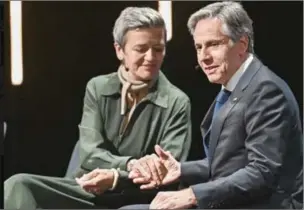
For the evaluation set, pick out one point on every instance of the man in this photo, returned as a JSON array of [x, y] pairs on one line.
[[252, 132], [125, 114]]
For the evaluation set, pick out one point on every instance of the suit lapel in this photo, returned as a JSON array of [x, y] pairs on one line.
[[235, 96], [207, 120], [205, 126], [218, 124]]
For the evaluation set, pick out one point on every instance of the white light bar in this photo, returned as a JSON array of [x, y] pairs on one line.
[[165, 9], [16, 42]]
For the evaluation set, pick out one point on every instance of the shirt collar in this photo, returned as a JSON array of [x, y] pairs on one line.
[[237, 75]]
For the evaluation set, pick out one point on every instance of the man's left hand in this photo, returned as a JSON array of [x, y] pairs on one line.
[[182, 199], [96, 181]]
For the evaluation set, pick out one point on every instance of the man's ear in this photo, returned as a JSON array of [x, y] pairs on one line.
[[119, 51], [244, 43]]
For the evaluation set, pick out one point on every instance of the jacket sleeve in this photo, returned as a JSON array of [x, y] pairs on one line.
[[94, 151], [194, 172], [269, 120], [177, 135]]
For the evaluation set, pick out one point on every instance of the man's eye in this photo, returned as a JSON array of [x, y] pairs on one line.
[[214, 43], [159, 49]]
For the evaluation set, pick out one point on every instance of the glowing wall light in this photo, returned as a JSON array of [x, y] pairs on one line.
[[165, 9], [16, 42]]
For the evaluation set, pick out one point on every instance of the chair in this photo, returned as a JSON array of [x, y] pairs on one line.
[[74, 161]]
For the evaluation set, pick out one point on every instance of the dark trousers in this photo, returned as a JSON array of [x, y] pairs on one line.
[[136, 206]]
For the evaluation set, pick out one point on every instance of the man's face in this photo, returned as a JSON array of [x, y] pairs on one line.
[[217, 55], [143, 52]]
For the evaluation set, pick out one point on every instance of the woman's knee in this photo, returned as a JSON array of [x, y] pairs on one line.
[[18, 179]]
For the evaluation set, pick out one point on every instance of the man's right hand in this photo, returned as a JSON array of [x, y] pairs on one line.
[[169, 167], [149, 169]]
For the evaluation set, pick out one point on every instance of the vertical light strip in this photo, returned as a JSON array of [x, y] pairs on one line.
[[16, 42], [165, 9]]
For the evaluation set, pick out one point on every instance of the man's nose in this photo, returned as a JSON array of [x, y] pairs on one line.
[[204, 55]]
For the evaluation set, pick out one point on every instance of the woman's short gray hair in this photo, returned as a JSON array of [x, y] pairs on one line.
[[236, 21], [136, 17]]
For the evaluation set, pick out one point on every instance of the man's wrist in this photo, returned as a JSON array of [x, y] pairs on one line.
[[179, 166], [192, 197]]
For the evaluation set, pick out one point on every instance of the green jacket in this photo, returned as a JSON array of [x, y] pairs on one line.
[[163, 117]]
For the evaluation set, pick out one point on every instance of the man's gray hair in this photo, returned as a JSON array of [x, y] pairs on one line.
[[236, 21], [136, 17]]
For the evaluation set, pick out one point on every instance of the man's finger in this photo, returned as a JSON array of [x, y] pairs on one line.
[[134, 174], [153, 203], [160, 197], [149, 186], [145, 171], [141, 180], [157, 201], [153, 169], [161, 153], [161, 169], [163, 205]]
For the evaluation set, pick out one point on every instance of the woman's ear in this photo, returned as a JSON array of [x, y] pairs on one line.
[[119, 51]]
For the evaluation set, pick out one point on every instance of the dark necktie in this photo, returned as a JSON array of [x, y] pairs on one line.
[[221, 98]]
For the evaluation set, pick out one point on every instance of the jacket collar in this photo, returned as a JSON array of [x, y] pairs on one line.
[[157, 94]]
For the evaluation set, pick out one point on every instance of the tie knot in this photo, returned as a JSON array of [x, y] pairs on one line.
[[223, 96]]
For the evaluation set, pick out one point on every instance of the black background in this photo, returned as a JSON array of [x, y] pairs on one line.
[[67, 43]]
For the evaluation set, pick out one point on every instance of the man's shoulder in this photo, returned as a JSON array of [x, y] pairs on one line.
[[266, 82], [266, 77]]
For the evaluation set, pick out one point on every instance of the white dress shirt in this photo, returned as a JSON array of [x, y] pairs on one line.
[[237, 75]]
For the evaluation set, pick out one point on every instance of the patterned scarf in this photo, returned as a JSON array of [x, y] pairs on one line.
[[131, 86]]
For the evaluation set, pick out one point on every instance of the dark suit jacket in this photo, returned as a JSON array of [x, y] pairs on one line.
[[255, 147]]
